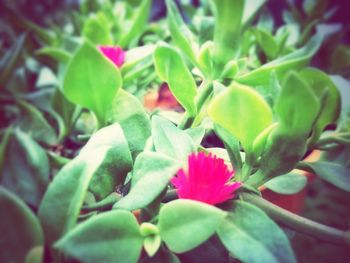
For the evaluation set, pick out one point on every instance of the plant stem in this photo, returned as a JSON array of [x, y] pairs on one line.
[[257, 179], [205, 91], [170, 195], [104, 204], [289, 219], [298, 223], [186, 122], [339, 139]]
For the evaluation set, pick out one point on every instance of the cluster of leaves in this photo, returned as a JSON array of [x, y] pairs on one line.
[[80, 155]]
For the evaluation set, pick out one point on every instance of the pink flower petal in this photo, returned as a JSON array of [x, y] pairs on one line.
[[206, 180], [115, 54]]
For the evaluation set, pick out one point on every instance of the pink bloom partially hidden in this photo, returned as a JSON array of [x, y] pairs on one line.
[[115, 54], [207, 180]]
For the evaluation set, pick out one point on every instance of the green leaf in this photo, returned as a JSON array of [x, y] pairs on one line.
[[251, 7], [287, 184], [107, 237], [138, 23], [92, 81], [66, 110], [25, 167], [267, 42], [172, 69], [297, 106], [20, 229], [232, 146], [170, 140], [340, 59], [328, 95], [162, 256], [117, 160], [10, 59], [151, 175], [130, 114], [58, 54], [180, 33], [97, 30], [33, 122], [196, 134], [35, 255], [185, 224], [242, 111], [205, 60], [250, 235], [61, 204], [296, 59], [228, 17], [210, 251], [151, 244], [333, 173], [137, 61]]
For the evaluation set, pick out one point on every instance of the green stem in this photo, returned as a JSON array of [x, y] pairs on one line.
[[298, 223], [186, 121], [104, 204], [257, 179], [170, 195], [341, 138], [205, 91], [304, 166]]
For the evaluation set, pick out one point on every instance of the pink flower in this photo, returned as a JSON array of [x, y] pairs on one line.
[[115, 54], [207, 180]]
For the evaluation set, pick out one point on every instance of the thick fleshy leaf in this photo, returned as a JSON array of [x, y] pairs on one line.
[[97, 30], [180, 33], [66, 110], [288, 184], [61, 204], [171, 68], [267, 42], [10, 59], [130, 114], [210, 251], [343, 88], [251, 7], [20, 229], [328, 95], [137, 61], [232, 146], [137, 24], [107, 237], [250, 235], [163, 256], [228, 17], [185, 224], [25, 167], [151, 244], [33, 122], [117, 160], [294, 60], [242, 111], [92, 81], [297, 106], [196, 134], [334, 173], [56, 53], [151, 175], [170, 140]]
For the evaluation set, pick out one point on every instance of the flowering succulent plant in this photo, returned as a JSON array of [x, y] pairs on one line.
[[95, 176]]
